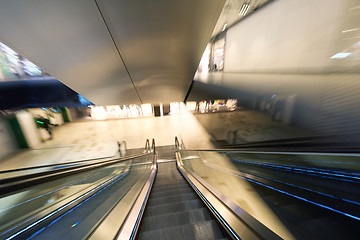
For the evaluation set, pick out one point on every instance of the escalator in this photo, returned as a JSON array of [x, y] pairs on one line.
[[148, 196], [69, 200], [174, 210], [297, 195]]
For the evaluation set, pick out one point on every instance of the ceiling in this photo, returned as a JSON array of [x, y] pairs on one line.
[[230, 13], [113, 51]]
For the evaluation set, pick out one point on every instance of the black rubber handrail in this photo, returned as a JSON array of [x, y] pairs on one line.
[[5, 180], [147, 146], [53, 165], [61, 164], [153, 147], [76, 197], [62, 167], [123, 143], [177, 144], [11, 185], [316, 143], [31, 175]]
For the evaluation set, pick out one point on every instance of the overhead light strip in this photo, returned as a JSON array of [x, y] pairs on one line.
[[244, 9], [243, 6], [248, 6]]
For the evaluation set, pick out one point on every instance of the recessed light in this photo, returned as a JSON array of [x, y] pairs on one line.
[[340, 55], [244, 9]]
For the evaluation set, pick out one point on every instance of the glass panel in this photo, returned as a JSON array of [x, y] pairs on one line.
[[295, 195], [18, 208], [41, 169]]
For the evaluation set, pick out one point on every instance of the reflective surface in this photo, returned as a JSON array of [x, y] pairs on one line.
[[21, 207], [112, 52], [47, 168], [294, 63], [301, 196]]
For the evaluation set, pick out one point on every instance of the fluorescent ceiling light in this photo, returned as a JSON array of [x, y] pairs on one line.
[[351, 30], [354, 8], [248, 6], [340, 55], [244, 9]]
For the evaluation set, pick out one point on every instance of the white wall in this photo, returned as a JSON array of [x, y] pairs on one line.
[[7, 142], [285, 35], [286, 47], [28, 127]]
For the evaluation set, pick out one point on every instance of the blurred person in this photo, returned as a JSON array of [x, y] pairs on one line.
[[43, 122]]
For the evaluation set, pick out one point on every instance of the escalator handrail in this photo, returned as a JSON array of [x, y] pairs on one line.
[[177, 144], [61, 164], [53, 165], [275, 152], [10, 185], [129, 228], [153, 147], [314, 143], [147, 146], [124, 143]]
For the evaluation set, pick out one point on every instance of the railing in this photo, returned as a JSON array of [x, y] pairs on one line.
[[18, 174], [153, 147], [17, 179], [227, 180], [129, 227], [137, 173], [177, 144], [147, 148], [122, 148], [336, 144], [238, 223]]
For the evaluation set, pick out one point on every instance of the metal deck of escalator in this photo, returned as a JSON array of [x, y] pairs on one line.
[[174, 210]]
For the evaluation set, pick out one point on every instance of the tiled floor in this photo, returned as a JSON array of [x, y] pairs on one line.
[[250, 125], [92, 139]]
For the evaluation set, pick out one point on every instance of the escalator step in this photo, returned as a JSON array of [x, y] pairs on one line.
[[174, 219], [289, 213], [174, 210], [168, 180], [172, 199], [165, 182], [207, 230], [323, 228], [173, 207], [169, 187], [174, 192]]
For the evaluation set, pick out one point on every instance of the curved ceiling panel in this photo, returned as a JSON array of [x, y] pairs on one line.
[[161, 42], [113, 51]]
